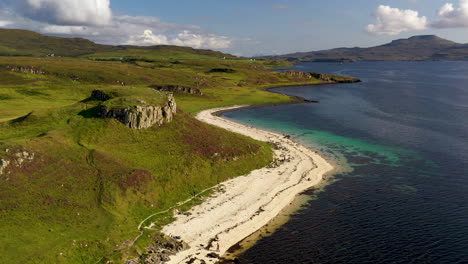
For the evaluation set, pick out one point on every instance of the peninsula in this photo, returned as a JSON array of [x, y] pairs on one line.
[[100, 148]]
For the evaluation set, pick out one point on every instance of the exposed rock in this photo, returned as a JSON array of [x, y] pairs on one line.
[[140, 117], [297, 74], [213, 255], [320, 76], [99, 96], [177, 88], [3, 165], [22, 156], [25, 69], [160, 250], [308, 75], [16, 159], [133, 261]]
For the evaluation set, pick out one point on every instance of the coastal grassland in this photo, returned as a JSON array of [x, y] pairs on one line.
[[93, 180]]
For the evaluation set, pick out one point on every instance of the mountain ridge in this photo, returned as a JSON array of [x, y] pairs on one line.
[[415, 48]]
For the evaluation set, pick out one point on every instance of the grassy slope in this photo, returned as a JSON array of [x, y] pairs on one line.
[[93, 180], [16, 42]]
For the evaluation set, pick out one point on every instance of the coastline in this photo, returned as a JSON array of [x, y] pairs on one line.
[[249, 202], [293, 99]]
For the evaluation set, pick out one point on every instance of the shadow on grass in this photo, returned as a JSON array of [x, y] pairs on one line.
[[90, 112], [22, 119]]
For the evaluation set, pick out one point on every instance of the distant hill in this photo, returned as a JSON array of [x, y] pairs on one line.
[[16, 42], [24, 42], [427, 47]]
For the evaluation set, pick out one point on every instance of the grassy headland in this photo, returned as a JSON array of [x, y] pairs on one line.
[[91, 181]]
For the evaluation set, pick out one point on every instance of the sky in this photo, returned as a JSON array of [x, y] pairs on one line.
[[241, 27]]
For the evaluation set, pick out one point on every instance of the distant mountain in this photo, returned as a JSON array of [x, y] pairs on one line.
[[17, 42], [427, 47]]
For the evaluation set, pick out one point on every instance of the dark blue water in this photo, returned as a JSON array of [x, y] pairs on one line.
[[404, 133]]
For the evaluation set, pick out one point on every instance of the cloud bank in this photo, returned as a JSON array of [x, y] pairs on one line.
[[93, 19], [451, 17], [393, 21], [184, 38], [64, 12]]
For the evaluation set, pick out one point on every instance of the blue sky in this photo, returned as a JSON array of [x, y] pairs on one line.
[[241, 27]]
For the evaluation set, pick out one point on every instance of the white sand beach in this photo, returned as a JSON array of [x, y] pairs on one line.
[[248, 202]]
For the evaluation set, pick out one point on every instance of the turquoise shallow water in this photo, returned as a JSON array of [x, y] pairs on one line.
[[404, 134]]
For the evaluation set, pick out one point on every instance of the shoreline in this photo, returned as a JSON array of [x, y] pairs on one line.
[[248, 202], [293, 99]]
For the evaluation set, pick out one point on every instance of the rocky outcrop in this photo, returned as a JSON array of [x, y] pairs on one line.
[[322, 76], [160, 250], [299, 75], [334, 78], [17, 159], [141, 117], [22, 156], [177, 88], [98, 95], [3, 165], [25, 69]]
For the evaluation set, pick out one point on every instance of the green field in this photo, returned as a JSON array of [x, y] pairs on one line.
[[92, 180]]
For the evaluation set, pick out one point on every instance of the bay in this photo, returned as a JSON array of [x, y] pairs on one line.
[[403, 134]]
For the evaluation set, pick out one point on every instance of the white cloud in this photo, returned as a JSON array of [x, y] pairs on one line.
[[184, 38], [148, 38], [187, 38], [393, 21], [4, 23], [450, 17], [64, 12], [122, 29]]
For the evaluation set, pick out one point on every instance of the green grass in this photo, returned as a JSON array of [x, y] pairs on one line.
[[93, 180]]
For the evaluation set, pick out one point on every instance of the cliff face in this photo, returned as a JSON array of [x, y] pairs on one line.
[[141, 117]]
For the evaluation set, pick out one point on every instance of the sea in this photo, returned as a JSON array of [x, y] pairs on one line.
[[401, 137]]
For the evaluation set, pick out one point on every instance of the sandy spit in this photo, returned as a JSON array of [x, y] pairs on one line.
[[248, 202]]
